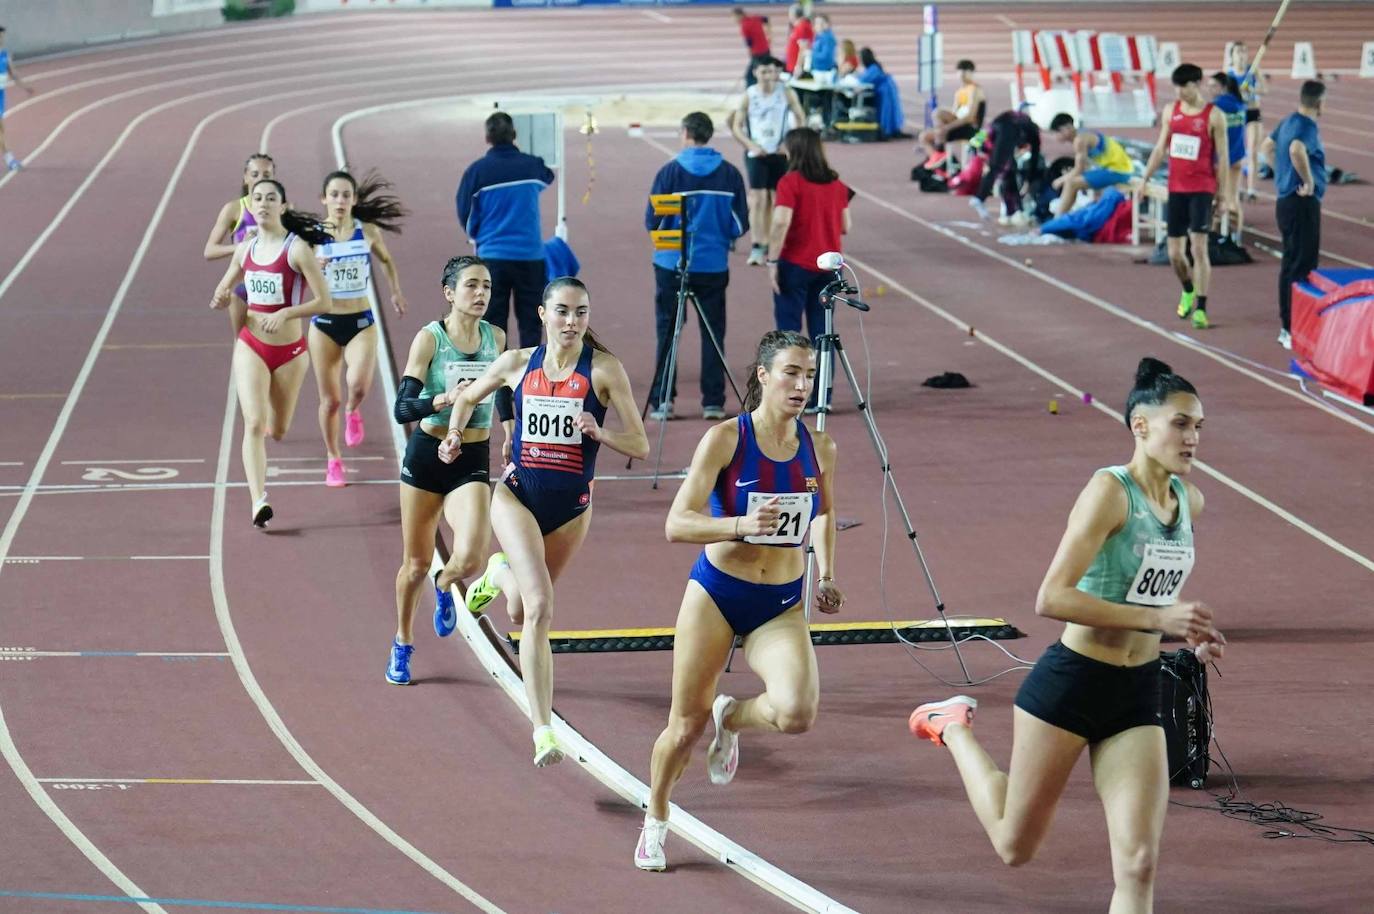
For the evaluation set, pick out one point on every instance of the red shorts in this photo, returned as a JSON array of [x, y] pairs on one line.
[[275, 356]]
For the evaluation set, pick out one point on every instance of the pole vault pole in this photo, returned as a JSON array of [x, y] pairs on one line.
[[1268, 37]]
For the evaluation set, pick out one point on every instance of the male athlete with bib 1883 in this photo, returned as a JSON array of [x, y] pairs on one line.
[[1192, 133]]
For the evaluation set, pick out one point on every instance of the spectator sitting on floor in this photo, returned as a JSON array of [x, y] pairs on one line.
[[1098, 161], [887, 100]]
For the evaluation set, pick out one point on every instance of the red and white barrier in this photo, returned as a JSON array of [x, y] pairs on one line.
[[1102, 78]]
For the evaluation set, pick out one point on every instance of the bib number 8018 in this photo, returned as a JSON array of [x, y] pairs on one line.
[[548, 427]]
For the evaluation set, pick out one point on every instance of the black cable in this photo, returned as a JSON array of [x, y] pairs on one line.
[[1278, 819]]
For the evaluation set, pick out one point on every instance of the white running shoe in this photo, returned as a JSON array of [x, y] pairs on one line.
[[262, 512], [980, 208], [722, 756], [1019, 219], [649, 850], [757, 256], [1285, 339]]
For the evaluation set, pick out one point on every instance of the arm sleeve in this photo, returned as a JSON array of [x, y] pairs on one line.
[[505, 404], [785, 194], [410, 407], [547, 174]]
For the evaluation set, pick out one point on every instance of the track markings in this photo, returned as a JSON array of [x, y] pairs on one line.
[[151, 903], [126, 783]]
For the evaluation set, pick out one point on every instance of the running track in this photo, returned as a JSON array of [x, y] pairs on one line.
[[262, 658]]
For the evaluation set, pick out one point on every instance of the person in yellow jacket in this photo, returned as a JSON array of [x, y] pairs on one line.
[[1098, 161]]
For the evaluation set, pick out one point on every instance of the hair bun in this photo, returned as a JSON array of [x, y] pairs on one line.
[[1148, 370]]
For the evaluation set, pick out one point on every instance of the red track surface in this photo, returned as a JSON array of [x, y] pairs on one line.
[[853, 807]]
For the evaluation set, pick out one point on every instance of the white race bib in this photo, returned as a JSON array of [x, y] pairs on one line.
[[347, 277], [1163, 569], [551, 420], [264, 288], [1183, 146], [793, 523], [348, 269], [454, 372]]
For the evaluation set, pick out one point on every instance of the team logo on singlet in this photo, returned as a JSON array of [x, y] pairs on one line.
[[812, 484]]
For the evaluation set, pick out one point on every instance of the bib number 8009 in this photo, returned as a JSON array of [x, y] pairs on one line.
[[1163, 569]]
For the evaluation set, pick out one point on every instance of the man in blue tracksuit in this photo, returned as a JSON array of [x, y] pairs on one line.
[[498, 207], [717, 212]]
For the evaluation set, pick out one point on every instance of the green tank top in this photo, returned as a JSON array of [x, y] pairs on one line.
[[1146, 561], [449, 366]]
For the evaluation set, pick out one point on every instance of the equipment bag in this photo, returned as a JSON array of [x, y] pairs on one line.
[[1185, 711]]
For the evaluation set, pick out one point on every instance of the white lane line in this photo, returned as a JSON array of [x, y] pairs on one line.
[[43, 801], [143, 463], [243, 782], [264, 704], [11, 463], [100, 488], [105, 558], [657, 17], [601, 766], [1327, 254], [12, 652], [1045, 373], [7, 746], [1114, 310], [319, 460], [255, 41], [1006, 20]]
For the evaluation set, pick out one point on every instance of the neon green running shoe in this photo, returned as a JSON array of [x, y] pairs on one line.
[[1200, 321], [546, 751], [1186, 302], [485, 589]]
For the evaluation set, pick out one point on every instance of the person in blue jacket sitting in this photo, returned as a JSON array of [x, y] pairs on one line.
[[716, 208], [886, 97], [498, 207]]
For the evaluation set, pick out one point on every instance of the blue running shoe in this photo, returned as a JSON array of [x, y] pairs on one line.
[[398, 670], [445, 616]]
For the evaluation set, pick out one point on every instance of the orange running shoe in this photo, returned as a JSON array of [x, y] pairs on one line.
[[929, 720]]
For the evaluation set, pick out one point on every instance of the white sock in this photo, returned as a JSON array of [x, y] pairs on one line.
[[539, 730]]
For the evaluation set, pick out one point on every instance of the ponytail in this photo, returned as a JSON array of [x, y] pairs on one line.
[[773, 342], [370, 203], [304, 225], [1155, 381]]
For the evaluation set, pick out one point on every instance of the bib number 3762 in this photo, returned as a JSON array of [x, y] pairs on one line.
[[1163, 569], [793, 522]]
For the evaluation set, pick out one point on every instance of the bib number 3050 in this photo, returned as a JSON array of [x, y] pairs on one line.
[[264, 288], [1163, 569], [793, 522], [551, 420]]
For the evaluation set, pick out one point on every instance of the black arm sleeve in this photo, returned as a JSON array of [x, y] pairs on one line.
[[409, 406], [505, 404]]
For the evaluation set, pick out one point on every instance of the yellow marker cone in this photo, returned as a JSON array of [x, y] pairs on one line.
[[1054, 407]]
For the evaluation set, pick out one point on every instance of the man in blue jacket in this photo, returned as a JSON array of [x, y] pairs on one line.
[[498, 207], [717, 212]]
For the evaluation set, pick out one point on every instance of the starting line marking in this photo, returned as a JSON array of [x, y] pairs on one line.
[[27, 653], [79, 489], [202, 903]]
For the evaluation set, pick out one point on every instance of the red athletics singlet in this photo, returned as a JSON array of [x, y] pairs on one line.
[[1192, 166], [273, 285]]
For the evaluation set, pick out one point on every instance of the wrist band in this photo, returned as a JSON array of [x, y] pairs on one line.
[[825, 577], [737, 527]]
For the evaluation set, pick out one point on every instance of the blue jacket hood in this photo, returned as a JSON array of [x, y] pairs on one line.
[[699, 160]]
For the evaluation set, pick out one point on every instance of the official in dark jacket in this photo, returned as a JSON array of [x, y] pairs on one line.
[[498, 207], [717, 212]]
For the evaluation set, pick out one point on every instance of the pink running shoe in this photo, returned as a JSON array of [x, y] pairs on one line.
[[353, 428], [722, 756], [334, 475], [929, 720]]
